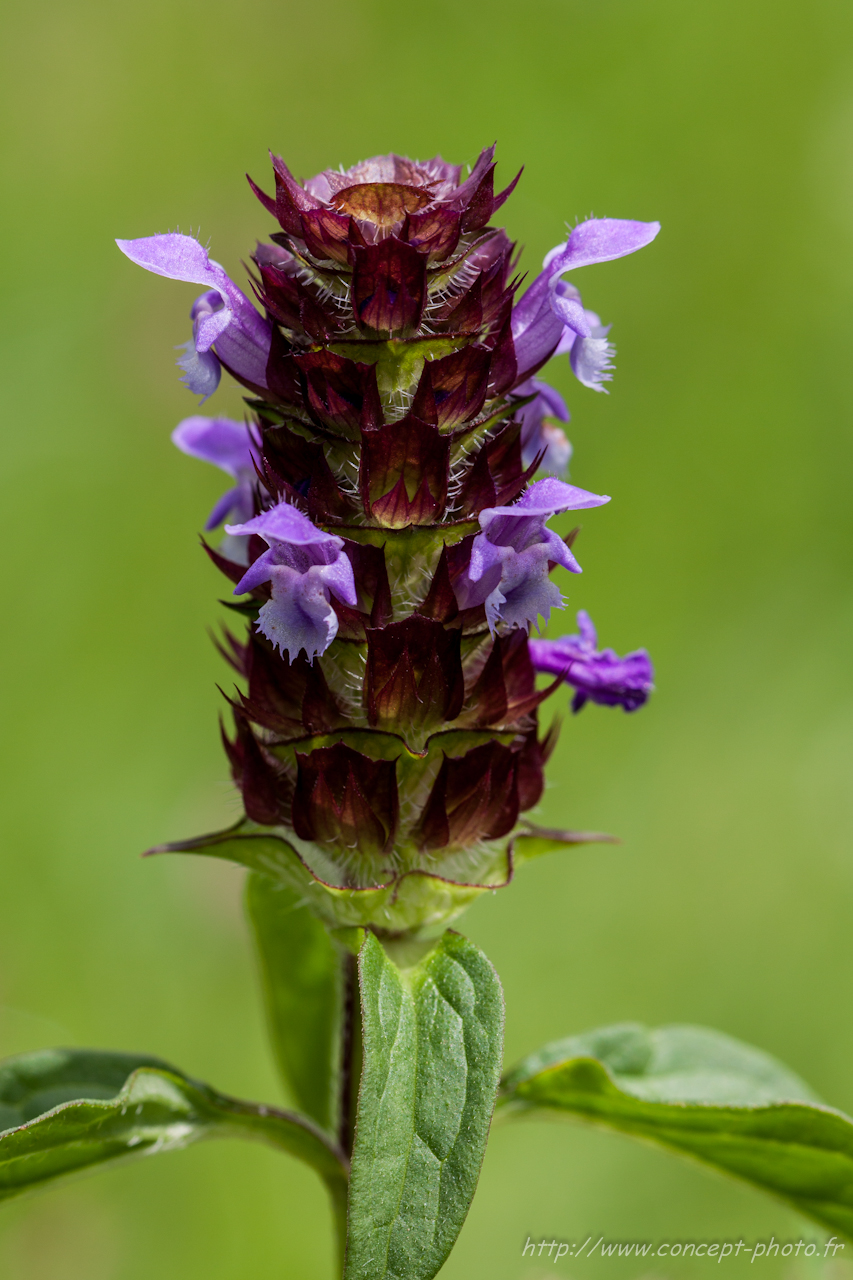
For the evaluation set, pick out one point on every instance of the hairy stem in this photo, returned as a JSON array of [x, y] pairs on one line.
[[351, 1051], [338, 1192]]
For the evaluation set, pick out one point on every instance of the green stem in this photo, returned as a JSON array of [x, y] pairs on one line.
[[351, 1050], [338, 1191], [350, 1079]]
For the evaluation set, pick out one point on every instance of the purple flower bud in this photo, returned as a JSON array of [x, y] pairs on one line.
[[538, 435], [601, 677], [303, 565], [508, 570], [231, 446], [223, 315]]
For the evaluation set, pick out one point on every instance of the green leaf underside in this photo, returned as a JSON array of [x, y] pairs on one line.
[[705, 1095], [64, 1110], [302, 971], [432, 1046]]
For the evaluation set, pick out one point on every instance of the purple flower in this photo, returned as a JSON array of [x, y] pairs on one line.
[[601, 677], [550, 307], [202, 369], [538, 435], [231, 446], [508, 570], [303, 565], [223, 315]]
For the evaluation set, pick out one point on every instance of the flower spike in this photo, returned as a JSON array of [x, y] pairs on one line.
[[387, 541]]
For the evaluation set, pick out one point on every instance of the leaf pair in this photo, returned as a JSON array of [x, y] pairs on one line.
[[421, 1029]]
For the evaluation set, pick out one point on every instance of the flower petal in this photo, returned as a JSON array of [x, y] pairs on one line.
[[258, 572], [558, 450], [600, 240], [559, 552], [231, 446], [540, 438], [526, 592], [299, 615], [232, 500], [177, 257], [226, 444], [339, 578], [552, 402], [303, 565], [536, 329], [202, 370], [569, 309], [592, 361], [242, 336], [210, 326], [550, 496], [284, 523]]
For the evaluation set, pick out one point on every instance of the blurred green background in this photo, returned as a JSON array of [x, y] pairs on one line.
[[726, 443]]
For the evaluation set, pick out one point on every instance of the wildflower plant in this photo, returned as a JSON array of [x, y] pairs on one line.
[[388, 544]]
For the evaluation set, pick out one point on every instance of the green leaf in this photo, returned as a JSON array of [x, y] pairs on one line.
[[63, 1110], [433, 1035], [705, 1095], [304, 978]]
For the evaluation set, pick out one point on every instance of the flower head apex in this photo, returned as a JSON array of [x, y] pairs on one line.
[[231, 446], [226, 327], [381, 195], [509, 566], [596, 676], [304, 567]]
